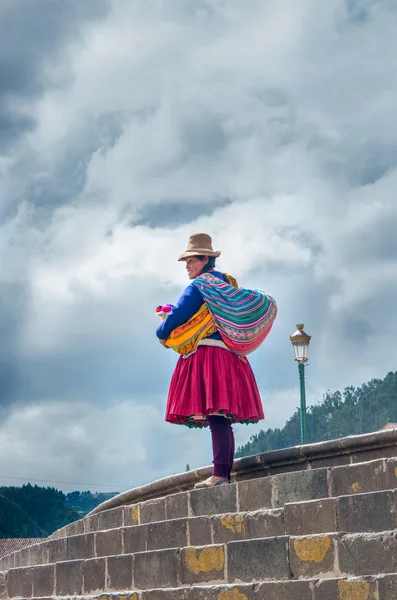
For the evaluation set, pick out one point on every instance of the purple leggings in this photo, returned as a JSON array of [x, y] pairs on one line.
[[222, 445]]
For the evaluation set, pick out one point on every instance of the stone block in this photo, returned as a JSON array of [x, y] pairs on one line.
[[391, 467], [43, 580], [362, 478], [199, 531], [349, 589], [229, 527], [158, 568], [330, 461], [282, 469], [373, 454], [202, 564], [213, 501], [299, 486], [69, 578], [312, 556], [387, 587], [91, 523], [24, 557], [368, 553], [20, 582], [81, 546], [3, 585], [375, 511], [108, 543], [131, 515], [177, 506], [111, 519], [257, 560], [94, 575], [312, 517], [283, 590], [255, 494], [207, 592], [11, 561], [119, 573], [249, 475], [243, 526], [75, 528], [167, 534], [17, 559], [57, 550], [38, 554], [152, 511], [135, 539], [7, 562]]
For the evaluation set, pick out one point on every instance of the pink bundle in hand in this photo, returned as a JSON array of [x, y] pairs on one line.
[[163, 310]]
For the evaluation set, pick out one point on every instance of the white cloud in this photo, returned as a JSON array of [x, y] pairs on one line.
[[109, 447], [284, 111]]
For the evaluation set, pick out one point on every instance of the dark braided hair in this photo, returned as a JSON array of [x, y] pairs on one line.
[[210, 264]]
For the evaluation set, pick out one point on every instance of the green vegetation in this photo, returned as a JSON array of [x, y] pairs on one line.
[[85, 502], [15, 522], [34, 511], [356, 410]]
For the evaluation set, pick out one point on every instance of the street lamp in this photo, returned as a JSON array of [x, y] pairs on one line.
[[300, 343]]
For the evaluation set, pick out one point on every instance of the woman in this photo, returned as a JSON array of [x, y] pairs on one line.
[[211, 386]]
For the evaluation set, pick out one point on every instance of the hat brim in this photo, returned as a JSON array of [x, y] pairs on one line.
[[198, 252]]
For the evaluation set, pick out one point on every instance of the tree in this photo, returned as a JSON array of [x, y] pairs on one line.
[[355, 411], [46, 506], [15, 522]]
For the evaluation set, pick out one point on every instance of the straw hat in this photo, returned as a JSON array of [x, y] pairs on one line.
[[200, 244]]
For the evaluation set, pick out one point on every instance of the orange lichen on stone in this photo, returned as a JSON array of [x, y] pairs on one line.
[[354, 590], [234, 594], [312, 549], [209, 559], [135, 513], [356, 487], [233, 522]]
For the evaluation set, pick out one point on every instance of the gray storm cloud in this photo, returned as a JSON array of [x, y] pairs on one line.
[[124, 127]]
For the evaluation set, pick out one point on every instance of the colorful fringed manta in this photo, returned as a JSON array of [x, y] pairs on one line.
[[242, 316]]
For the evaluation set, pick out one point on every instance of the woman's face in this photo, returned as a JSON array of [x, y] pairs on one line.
[[194, 266]]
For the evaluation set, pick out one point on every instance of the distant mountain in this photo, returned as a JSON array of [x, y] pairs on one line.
[[46, 508], [34, 511], [85, 502], [15, 522], [357, 410]]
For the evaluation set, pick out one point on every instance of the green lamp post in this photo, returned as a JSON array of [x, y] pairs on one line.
[[300, 343]]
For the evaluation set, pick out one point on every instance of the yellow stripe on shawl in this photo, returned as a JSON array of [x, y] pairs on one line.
[[184, 339], [231, 280]]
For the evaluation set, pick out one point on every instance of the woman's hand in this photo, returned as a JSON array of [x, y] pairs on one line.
[[163, 343]]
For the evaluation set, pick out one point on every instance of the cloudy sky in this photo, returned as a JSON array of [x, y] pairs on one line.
[[127, 125]]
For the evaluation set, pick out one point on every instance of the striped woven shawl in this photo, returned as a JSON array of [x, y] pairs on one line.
[[243, 317]]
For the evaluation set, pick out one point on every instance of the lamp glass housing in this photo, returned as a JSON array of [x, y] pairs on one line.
[[301, 351], [300, 342]]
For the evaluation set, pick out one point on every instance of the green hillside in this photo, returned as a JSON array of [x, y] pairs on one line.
[[46, 507], [353, 411], [34, 511], [15, 522]]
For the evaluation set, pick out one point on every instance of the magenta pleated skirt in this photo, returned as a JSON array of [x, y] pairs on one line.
[[213, 380]]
